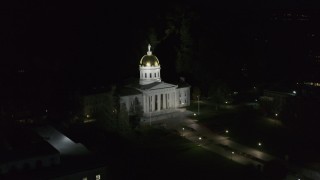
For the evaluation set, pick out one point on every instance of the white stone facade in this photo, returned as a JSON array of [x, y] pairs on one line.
[[155, 96], [149, 75]]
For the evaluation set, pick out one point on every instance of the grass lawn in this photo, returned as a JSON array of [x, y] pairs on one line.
[[165, 155], [246, 126], [160, 154]]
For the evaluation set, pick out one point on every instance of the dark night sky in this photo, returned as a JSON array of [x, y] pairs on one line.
[[81, 42]]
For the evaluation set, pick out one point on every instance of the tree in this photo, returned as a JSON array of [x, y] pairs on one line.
[[175, 30], [136, 114], [153, 38], [123, 126], [195, 93], [106, 112], [218, 93], [179, 24]]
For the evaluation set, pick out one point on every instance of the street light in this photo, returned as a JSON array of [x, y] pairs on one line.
[[227, 131], [259, 144]]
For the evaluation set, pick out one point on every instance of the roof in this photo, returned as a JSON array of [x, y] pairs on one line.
[[148, 86], [127, 91], [149, 60], [157, 85], [62, 143], [24, 144], [152, 86]]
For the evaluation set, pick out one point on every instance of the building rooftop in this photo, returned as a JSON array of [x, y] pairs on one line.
[[62, 143], [126, 91], [23, 145]]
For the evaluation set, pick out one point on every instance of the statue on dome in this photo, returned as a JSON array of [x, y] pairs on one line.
[[149, 47]]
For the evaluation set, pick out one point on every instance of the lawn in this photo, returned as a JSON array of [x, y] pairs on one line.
[[166, 155], [247, 126], [156, 153]]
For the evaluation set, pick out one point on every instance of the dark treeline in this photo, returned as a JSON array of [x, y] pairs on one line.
[[53, 49]]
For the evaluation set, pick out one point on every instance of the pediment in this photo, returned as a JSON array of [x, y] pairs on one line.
[[156, 86], [163, 85]]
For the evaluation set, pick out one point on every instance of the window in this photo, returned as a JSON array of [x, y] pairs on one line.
[[158, 74], [145, 75], [150, 75], [98, 177], [155, 75], [84, 178]]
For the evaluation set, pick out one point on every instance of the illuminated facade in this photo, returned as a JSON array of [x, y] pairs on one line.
[[155, 96]]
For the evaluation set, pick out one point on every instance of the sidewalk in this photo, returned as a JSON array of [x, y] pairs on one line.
[[237, 152], [227, 153], [224, 140]]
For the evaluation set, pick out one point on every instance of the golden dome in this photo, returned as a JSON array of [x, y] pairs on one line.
[[149, 61]]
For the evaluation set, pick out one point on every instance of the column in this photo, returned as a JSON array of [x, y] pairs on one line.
[[175, 99], [159, 101], [149, 101], [162, 100], [170, 100], [166, 101], [143, 103], [154, 102]]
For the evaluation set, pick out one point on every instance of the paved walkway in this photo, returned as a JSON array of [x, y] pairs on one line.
[[224, 140], [225, 147]]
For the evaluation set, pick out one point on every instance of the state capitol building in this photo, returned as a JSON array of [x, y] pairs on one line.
[[156, 97]]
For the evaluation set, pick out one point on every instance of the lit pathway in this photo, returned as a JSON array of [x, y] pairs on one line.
[[223, 146], [211, 146], [225, 141]]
